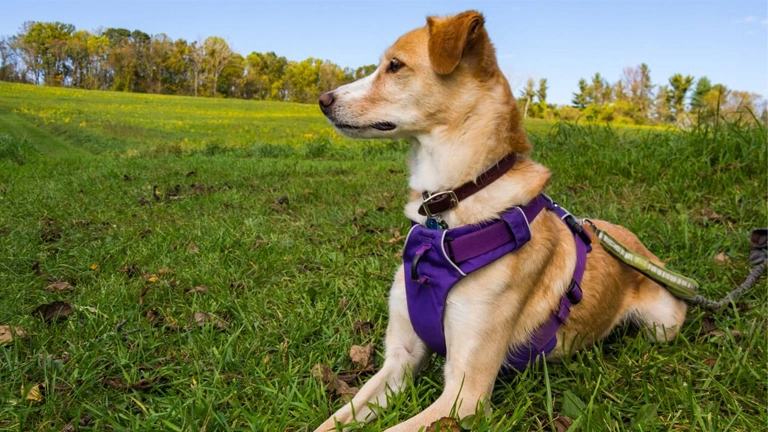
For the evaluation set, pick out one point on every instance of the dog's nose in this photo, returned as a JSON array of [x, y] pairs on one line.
[[326, 100]]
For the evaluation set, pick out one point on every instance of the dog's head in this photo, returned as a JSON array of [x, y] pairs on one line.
[[430, 77]]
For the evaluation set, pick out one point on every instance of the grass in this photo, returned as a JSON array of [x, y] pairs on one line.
[[290, 281]]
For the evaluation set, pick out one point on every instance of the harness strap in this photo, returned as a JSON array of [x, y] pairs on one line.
[[544, 339], [493, 236]]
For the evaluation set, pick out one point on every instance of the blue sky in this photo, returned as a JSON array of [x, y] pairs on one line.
[[558, 40]]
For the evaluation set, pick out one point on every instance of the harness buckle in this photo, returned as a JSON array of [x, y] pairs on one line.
[[439, 196], [576, 228]]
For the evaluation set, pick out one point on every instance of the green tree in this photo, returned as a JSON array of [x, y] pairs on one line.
[[45, 44], [679, 86], [217, 54], [580, 99], [527, 94], [703, 86]]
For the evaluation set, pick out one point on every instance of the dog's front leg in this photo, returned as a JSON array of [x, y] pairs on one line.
[[405, 353], [477, 343]]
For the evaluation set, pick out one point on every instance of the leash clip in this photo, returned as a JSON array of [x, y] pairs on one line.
[[576, 228]]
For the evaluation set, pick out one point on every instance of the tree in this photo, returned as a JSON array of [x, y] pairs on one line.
[[264, 76], [636, 81], [527, 94], [679, 90], [217, 55], [703, 86], [197, 60], [45, 48], [231, 80], [580, 99]]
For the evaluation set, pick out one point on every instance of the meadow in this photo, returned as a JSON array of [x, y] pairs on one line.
[[185, 264]]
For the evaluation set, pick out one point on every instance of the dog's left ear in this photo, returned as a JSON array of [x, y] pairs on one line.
[[451, 38]]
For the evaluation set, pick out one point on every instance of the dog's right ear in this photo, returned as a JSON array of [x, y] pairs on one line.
[[450, 38]]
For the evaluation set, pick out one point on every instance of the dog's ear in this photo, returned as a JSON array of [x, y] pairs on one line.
[[450, 38]]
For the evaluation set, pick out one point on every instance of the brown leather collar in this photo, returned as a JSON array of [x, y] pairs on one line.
[[438, 202]]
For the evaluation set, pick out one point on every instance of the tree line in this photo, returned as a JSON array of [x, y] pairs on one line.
[[57, 54], [634, 99]]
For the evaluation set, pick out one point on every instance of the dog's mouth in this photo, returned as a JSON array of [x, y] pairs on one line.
[[382, 126]]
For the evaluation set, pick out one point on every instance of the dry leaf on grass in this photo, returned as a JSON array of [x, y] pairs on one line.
[[150, 277], [193, 248], [202, 319], [562, 423], [332, 383], [197, 289], [237, 284], [445, 424], [33, 395], [130, 270], [59, 286], [7, 333], [721, 258], [363, 327], [363, 356], [396, 238], [164, 271], [52, 312], [710, 361]]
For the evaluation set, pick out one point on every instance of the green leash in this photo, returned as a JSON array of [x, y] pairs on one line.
[[680, 286], [683, 287]]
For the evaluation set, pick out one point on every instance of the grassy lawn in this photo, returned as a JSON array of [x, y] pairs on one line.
[[216, 250]]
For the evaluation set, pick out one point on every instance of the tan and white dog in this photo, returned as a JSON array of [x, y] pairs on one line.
[[440, 87]]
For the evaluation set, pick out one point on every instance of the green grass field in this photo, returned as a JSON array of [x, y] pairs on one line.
[[291, 283]]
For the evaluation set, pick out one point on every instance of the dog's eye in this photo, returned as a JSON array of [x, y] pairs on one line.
[[395, 65]]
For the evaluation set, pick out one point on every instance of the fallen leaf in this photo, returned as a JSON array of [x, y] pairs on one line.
[[363, 356], [237, 284], [710, 361], [116, 383], [343, 303], [59, 286], [164, 271], [721, 258], [131, 270], [7, 333], [323, 374], [150, 277], [50, 235], [562, 423], [56, 311], [197, 289], [154, 318], [192, 248], [332, 383], [445, 424], [708, 325], [202, 319], [33, 395], [397, 237], [68, 428], [146, 384], [95, 266], [363, 327], [711, 215], [345, 392]]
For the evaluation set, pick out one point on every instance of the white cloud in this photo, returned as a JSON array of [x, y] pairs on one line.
[[746, 20]]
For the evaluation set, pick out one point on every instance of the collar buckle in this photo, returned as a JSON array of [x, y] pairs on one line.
[[439, 197]]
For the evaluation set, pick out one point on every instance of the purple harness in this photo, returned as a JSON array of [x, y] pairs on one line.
[[435, 260]]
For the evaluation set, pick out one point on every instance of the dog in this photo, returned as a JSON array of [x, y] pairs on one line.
[[440, 88]]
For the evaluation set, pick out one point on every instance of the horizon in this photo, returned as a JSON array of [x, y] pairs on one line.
[[724, 41]]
